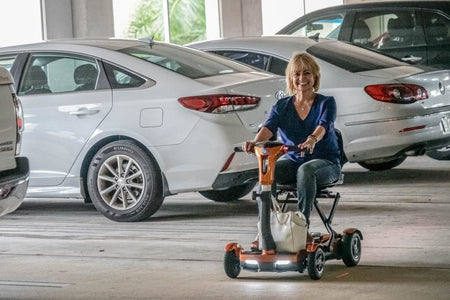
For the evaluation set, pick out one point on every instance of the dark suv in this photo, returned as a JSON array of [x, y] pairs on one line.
[[417, 32]]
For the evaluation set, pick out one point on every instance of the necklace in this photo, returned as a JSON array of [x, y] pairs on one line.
[[304, 105]]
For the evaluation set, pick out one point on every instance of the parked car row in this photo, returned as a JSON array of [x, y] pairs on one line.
[[125, 123]]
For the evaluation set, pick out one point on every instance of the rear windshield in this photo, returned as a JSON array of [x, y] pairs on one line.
[[185, 61], [352, 58]]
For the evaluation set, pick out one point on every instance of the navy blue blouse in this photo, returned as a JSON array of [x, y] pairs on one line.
[[293, 130]]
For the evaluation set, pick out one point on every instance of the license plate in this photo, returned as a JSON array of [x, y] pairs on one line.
[[445, 124]]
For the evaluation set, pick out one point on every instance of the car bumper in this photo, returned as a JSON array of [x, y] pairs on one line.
[[226, 180], [13, 186], [394, 137]]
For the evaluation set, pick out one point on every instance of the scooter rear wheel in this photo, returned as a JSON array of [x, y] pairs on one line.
[[231, 264], [316, 263], [351, 249]]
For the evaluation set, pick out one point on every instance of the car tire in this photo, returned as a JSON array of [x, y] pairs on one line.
[[440, 154], [229, 194], [384, 165], [124, 183]]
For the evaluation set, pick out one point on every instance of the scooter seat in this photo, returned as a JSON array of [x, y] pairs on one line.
[[292, 187]]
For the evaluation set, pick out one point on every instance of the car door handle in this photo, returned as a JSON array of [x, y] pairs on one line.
[[84, 111], [411, 58]]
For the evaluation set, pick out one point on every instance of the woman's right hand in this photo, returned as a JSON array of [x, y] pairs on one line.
[[248, 146]]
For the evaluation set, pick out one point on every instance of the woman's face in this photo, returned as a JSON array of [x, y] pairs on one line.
[[303, 79]]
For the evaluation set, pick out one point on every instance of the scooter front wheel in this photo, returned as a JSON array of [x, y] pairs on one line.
[[231, 264], [316, 263]]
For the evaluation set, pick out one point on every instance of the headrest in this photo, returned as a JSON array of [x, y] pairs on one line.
[[437, 31], [36, 77], [360, 30], [399, 24], [85, 74]]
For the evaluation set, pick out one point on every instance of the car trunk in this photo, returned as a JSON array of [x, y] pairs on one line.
[[258, 84]]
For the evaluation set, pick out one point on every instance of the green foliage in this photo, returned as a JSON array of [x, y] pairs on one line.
[[186, 17]]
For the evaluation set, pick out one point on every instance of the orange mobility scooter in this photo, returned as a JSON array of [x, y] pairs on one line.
[[319, 247]]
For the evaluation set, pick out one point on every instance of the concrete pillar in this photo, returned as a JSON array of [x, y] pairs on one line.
[[77, 18], [56, 19], [240, 18]]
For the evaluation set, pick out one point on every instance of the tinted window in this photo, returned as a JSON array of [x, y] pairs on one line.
[[278, 66], [256, 60], [437, 28], [187, 62], [324, 27], [383, 29], [352, 58], [53, 73], [120, 79]]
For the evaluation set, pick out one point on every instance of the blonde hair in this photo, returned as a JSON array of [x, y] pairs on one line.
[[301, 61]]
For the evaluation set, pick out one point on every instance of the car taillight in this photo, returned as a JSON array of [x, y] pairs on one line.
[[20, 122], [397, 93], [219, 104]]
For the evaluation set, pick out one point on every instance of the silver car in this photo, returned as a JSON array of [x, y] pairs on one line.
[[125, 123], [387, 109]]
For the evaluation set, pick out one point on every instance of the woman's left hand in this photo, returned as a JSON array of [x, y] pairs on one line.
[[307, 146]]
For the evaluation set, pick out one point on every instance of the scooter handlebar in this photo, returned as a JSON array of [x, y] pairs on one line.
[[287, 149]]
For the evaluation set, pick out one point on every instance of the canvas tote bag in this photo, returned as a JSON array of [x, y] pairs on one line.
[[289, 229]]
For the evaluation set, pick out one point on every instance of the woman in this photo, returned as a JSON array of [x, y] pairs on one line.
[[305, 119]]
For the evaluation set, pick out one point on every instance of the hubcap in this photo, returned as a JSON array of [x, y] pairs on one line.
[[320, 261], [121, 182], [355, 248]]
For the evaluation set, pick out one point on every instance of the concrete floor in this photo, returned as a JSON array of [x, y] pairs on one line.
[[63, 249]]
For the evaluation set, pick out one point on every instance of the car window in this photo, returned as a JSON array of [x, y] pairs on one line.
[[351, 58], [7, 61], [185, 61], [120, 79], [324, 27], [256, 60], [381, 29], [437, 28], [58, 73], [278, 66]]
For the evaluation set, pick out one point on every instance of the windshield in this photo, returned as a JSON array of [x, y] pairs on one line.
[[351, 58], [191, 63]]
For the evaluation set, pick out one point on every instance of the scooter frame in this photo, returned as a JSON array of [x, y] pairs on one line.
[[319, 247]]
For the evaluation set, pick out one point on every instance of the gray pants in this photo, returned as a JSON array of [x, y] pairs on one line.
[[310, 176]]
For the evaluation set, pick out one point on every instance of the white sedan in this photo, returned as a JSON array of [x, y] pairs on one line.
[[124, 123], [387, 109]]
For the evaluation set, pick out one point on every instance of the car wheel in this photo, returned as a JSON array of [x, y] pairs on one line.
[[384, 165], [351, 249], [124, 183], [229, 194], [440, 154], [316, 264]]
